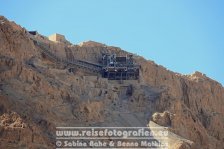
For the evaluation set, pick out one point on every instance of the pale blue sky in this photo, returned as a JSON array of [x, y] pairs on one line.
[[182, 35]]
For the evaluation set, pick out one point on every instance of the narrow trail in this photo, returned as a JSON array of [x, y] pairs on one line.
[[70, 61]]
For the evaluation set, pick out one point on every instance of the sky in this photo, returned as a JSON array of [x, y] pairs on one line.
[[182, 35]]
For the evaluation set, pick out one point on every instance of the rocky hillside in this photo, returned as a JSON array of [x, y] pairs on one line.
[[38, 94]]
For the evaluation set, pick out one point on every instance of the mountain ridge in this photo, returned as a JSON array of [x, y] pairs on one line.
[[44, 94]]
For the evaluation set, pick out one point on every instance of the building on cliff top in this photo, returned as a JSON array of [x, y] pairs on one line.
[[57, 38]]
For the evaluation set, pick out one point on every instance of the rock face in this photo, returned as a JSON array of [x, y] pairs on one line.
[[38, 94], [163, 119]]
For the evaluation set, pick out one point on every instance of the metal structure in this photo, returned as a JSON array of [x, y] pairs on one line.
[[33, 32], [113, 67], [119, 67]]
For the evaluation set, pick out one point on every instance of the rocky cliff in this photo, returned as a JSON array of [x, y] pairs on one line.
[[38, 94]]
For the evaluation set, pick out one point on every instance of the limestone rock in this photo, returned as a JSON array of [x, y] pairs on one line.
[[45, 94], [12, 120], [163, 119]]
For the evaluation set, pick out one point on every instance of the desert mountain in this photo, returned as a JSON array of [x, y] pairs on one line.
[[39, 93]]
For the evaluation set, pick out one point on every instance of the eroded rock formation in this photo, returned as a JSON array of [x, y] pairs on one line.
[[38, 94]]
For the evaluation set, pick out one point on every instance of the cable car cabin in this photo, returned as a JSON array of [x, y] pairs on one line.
[[119, 67]]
